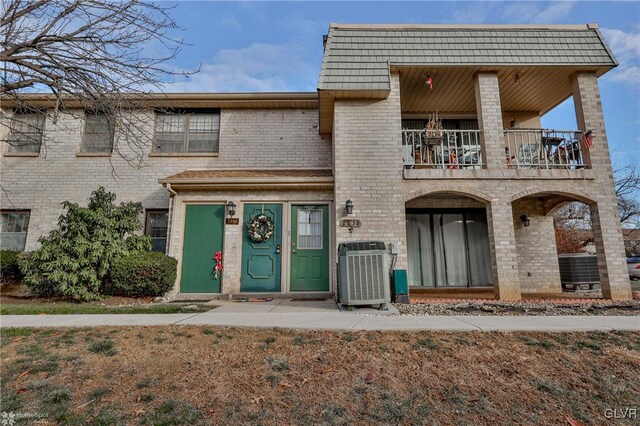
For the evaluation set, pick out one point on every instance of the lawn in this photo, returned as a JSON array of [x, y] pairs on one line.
[[188, 375], [60, 308]]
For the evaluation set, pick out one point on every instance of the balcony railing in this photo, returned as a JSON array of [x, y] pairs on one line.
[[449, 149], [543, 149]]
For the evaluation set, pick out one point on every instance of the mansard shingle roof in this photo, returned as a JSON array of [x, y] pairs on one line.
[[359, 57]]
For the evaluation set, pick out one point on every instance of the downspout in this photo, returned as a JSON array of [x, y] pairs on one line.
[[169, 216]]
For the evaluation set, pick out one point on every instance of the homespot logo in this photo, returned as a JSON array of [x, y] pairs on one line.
[[628, 413], [9, 418]]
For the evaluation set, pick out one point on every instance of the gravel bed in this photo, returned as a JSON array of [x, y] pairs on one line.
[[629, 308]]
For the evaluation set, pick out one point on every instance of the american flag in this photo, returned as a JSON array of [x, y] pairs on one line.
[[587, 139]]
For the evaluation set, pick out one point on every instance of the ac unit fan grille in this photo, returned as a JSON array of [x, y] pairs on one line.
[[366, 277]]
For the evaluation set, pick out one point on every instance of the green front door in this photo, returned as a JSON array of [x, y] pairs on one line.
[[309, 248], [261, 260], [203, 230]]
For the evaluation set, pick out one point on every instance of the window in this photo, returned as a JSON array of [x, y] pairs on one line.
[[98, 134], [157, 222], [309, 228], [26, 132], [196, 132], [14, 227]]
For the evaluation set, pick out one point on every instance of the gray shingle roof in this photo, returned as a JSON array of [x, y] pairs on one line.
[[358, 58]]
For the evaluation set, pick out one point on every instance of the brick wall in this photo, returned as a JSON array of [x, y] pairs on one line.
[[536, 245], [248, 139], [368, 168]]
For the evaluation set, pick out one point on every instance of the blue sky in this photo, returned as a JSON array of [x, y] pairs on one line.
[[277, 46]]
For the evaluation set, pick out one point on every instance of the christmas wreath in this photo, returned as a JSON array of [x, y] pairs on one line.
[[260, 228]]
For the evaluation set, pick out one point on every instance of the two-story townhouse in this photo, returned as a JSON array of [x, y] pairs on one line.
[[468, 197]]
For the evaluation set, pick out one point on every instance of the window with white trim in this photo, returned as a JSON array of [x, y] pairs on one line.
[[309, 228], [187, 132], [26, 132], [98, 133], [157, 224], [13, 229]]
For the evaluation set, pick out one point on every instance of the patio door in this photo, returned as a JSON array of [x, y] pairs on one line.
[[309, 248], [261, 260], [448, 248]]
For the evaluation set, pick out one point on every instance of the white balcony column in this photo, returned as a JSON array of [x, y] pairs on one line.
[[489, 111], [614, 278]]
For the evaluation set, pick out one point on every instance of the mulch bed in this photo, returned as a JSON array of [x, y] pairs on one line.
[[203, 375], [522, 307]]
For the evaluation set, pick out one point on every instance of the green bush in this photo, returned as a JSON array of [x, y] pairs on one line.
[[73, 261], [143, 274], [9, 268]]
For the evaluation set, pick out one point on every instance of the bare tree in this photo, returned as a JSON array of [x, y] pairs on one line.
[[95, 55], [574, 218]]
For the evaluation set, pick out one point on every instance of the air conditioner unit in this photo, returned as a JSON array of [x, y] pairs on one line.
[[363, 274]]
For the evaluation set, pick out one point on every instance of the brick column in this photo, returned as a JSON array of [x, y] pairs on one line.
[[504, 253], [605, 219], [367, 140], [489, 112]]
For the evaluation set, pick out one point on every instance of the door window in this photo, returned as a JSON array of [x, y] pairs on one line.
[[309, 228]]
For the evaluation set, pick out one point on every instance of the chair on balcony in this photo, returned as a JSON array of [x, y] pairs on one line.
[[408, 157], [528, 156]]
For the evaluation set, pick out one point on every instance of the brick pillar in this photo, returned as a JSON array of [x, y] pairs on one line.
[[367, 143], [489, 112], [605, 219], [504, 254]]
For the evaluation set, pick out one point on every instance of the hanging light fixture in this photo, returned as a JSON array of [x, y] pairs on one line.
[[525, 220], [517, 79]]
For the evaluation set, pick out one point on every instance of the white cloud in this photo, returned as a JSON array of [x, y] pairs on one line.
[[626, 48], [534, 13], [260, 67]]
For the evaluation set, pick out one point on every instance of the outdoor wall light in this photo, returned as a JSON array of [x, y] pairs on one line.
[[231, 208], [525, 220], [349, 206]]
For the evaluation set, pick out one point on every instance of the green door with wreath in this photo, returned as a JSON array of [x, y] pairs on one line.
[[261, 248], [203, 231]]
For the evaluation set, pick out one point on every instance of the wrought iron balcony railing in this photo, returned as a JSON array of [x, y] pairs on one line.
[[543, 149], [446, 149]]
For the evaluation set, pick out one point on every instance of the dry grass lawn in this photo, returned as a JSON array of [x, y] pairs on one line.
[[174, 375]]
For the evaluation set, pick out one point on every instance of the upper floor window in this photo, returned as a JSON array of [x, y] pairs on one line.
[[187, 132], [26, 132], [13, 229], [98, 133]]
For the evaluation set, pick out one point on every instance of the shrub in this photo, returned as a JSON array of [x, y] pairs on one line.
[[143, 274], [74, 260], [9, 268]]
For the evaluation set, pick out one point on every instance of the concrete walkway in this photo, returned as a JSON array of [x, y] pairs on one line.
[[324, 315]]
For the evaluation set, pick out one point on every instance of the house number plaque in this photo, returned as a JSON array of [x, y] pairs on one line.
[[350, 223], [232, 221]]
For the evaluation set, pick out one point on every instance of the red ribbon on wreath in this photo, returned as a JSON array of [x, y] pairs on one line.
[[217, 270]]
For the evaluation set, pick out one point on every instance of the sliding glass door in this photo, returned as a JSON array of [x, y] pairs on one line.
[[448, 248]]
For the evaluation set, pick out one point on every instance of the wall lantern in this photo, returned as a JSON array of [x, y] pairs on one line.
[[349, 206], [231, 208], [517, 79], [525, 220]]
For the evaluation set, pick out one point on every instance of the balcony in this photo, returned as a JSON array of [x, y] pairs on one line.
[[543, 149], [523, 149], [446, 149]]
